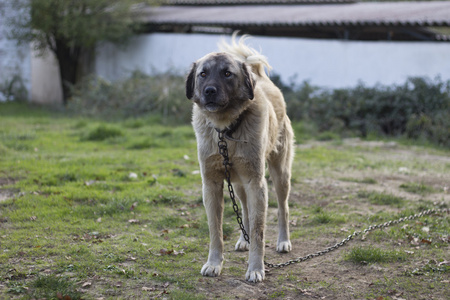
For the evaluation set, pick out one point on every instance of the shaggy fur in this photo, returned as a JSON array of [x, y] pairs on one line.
[[225, 86]]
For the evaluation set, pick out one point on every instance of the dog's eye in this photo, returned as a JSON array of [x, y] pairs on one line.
[[227, 74], [203, 74]]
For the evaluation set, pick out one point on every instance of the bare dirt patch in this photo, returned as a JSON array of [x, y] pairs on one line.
[[331, 276], [6, 193]]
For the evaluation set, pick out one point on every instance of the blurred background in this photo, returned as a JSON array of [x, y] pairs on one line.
[[381, 65]]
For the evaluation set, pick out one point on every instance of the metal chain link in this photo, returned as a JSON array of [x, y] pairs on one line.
[[223, 150]]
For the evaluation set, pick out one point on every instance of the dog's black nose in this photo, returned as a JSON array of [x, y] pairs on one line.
[[210, 91]]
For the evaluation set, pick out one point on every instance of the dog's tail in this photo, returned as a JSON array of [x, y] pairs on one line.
[[250, 56]]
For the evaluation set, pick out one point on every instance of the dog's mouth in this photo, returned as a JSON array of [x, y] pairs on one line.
[[214, 106]]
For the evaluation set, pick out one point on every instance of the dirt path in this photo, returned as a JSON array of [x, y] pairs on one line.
[[331, 276]]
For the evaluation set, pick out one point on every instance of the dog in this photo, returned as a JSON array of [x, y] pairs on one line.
[[232, 93]]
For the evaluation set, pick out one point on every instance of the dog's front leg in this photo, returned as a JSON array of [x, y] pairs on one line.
[[213, 202], [257, 207]]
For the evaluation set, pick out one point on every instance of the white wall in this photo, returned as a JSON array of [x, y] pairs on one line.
[[327, 63], [45, 79]]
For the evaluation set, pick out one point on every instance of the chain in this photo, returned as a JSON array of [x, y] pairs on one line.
[[355, 234], [223, 150]]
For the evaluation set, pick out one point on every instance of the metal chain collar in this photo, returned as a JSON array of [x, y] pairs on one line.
[[223, 150]]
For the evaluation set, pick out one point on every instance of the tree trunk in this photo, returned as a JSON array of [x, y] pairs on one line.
[[68, 60]]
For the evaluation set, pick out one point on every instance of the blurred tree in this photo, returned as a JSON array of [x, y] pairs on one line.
[[72, 28]]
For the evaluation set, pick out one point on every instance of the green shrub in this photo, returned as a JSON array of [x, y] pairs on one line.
[[140, 95], [418, 109]]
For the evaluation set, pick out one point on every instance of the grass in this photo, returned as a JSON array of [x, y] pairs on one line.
[[417, 188], [382, 198], [357, 180], [79, 225], [371, 254]]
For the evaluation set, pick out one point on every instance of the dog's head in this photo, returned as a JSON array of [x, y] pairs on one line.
[[218, 82]]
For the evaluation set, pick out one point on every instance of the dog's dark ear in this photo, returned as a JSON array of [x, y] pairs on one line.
[[248, 82], [190, 82]]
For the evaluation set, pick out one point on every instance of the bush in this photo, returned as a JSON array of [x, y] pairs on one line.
[[13, 90], [418, 109], [140, 95]]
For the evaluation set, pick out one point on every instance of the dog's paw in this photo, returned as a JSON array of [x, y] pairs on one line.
[[242, 245], [284, 247], [255, 275], [211, 270]]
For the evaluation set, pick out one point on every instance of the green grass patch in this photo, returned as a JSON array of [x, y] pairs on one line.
[[54, 287], [372, 254], [357, 180], [417, 188], [382, 198], [123, 210], [103, 132]]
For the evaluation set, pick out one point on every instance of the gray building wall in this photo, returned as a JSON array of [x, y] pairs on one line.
[[326, 63]]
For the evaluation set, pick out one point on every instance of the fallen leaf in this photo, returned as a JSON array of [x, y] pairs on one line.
[[293, 222], [304, 292], [99, 220], [164, 251], [409, 252], [426, 229], [166, 284], [184, 226], [132, 175], [148, 289], [178, 252], [414, 241], [33, 218], [425, 241], [133, 221], [119, 284], [86, 284], [133, 206]]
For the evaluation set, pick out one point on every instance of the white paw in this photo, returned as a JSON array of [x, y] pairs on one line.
[[241, 245], [255, 275], [211, 270], [284, 247]]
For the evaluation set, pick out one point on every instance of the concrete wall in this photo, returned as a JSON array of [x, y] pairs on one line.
[[14, 59], [326, 63], [45, 79]]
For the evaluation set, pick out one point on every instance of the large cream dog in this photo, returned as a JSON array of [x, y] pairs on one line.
[[231, 90]]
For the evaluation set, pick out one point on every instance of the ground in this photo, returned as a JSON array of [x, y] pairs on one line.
[[72, 212]]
